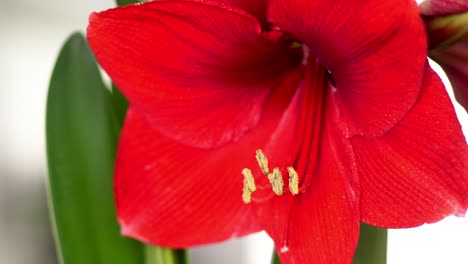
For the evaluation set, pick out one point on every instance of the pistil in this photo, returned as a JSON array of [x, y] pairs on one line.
[[310, 130]]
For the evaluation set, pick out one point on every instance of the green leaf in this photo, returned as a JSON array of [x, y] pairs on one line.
[[128, 2], [120, 104], [81, 134], [372, 246], [157, 255]]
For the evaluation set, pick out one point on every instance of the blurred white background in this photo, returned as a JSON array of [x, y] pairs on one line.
[[32, 33]]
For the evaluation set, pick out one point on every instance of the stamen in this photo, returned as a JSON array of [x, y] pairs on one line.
[[249, 186], [294, 44], [249, 181], [262, 161], [246, 195], [276, 180], [293, 181]]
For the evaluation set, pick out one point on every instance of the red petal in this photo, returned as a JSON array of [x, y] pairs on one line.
[[322, 224], [376, 51], [258, 8], [417, 172], [171, 194], [182, 60], [442, 7]]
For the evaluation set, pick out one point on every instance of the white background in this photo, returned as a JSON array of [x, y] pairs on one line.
[[32, 33]]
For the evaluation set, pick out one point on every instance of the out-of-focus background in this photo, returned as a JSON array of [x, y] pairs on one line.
[[32, 33]]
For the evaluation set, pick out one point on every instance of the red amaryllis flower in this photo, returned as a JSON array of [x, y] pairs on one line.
[[447, 27], [301, 118], [443, 7]]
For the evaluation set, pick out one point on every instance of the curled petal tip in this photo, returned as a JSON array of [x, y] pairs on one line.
[[128, 231], [124, 230]]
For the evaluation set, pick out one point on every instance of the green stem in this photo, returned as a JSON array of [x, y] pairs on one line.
[[275, 259], [157, 255], [372, 246]]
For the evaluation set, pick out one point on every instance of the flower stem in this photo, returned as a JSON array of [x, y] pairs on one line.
[[275, 258], [157, 255], [372, 246]]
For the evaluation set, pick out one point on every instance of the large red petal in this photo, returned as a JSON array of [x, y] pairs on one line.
[[417, 172], [376, 51], [443, 7], [258, 8], [176, 195], [187, 63], [322, 224]]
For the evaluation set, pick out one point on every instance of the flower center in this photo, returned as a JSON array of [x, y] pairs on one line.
[[306, 147]]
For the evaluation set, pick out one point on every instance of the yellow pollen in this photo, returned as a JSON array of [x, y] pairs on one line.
[[276, 180], [295, 44], [293, 181], [262, 162], [249, 181], [249, 186], [246, 195]]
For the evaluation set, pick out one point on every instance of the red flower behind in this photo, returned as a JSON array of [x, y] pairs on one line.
[[443, 7], [210, 84], [447, 27]]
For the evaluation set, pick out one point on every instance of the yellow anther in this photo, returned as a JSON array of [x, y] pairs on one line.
[[246, 195], [295, 44], [293, 181], [276, 180], [249, 186], [262, 161], [249, 181]]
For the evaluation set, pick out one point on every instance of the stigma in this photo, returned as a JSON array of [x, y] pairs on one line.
[[275, 178]]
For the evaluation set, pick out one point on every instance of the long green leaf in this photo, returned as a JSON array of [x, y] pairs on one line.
[[120, 104], [128, 2], [81, 133]]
